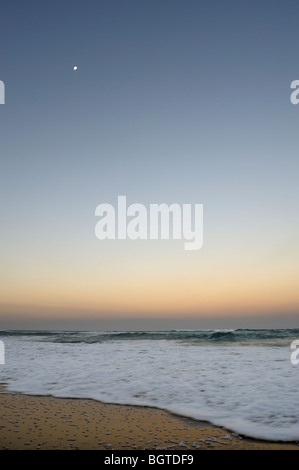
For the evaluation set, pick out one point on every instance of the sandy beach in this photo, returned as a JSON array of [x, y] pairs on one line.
[[47, 423]]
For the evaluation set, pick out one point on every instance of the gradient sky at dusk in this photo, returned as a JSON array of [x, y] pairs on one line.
[[173, 101]]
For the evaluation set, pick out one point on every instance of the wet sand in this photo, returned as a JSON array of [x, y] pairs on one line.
[[40, 422]]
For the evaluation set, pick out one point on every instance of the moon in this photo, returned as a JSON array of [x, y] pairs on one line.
[[75, 67]]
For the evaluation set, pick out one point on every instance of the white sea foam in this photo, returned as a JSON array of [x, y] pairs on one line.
[[250, 390]]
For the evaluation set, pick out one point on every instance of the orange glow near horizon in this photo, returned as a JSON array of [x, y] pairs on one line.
[[149, 281], [155, 296]]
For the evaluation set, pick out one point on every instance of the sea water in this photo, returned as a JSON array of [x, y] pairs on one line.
[[242, 380]]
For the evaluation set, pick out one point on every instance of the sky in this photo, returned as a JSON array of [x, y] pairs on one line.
[[173, 101]]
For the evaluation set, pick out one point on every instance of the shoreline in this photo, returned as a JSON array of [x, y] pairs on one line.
[[45, 422]]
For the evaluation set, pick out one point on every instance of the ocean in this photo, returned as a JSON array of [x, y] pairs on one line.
[[242, 380]]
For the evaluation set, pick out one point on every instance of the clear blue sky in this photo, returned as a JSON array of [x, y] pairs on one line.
[[173, 101]]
